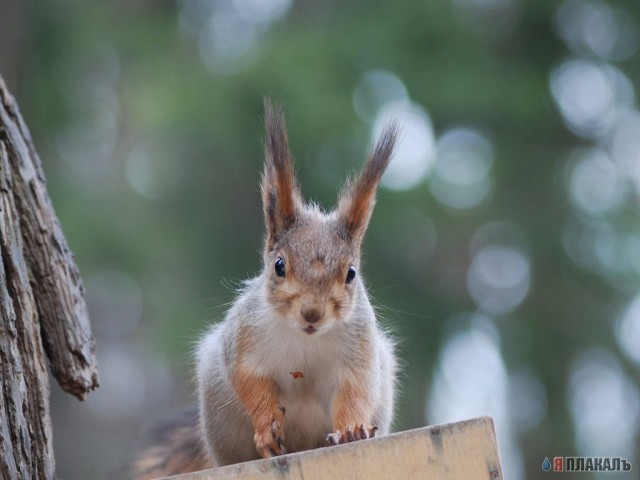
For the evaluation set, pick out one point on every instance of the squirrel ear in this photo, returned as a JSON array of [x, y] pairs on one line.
[[280, 196], [358, 197]]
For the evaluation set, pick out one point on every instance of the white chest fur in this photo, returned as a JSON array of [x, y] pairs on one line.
[[307, 369]]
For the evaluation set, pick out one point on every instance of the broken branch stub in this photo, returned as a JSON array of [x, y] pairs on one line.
[[54, 278]]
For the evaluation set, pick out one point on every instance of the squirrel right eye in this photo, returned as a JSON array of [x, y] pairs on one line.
[[351, 274], [280, 267]]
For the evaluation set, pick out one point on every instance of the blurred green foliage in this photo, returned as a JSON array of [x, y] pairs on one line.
[[153, 154]]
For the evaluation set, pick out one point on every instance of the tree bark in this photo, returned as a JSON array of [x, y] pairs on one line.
[[41, 300]]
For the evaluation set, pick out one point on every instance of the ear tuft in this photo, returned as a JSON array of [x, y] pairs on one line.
[[358, 198], [280, 195]]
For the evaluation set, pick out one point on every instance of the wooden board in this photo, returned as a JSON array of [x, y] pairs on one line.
[[457, 451]]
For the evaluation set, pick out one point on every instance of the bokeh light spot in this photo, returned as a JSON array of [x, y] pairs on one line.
[[262, 11], [624, 143], [595, 186], [470, 381], [628, 331], [527, 400], [604, 405], [593, 27], [377, 89], [590, 95], [498, 232], [415, 152], [140, 172], [226, 42], [461, 177], [499, 278], [471, 376]]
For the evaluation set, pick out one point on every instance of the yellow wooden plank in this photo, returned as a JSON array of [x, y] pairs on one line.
[[464, 450]]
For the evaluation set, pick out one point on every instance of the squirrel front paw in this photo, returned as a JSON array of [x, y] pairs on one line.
[[351, 434], [269, 438]]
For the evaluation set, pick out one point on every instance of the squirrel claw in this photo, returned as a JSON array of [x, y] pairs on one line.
[[270, 440], [351, 434], [350, 437], [334, 438]]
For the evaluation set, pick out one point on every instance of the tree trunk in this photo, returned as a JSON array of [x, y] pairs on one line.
[[41, 300]]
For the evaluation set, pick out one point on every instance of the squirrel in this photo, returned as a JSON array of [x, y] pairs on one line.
[[300, 360]]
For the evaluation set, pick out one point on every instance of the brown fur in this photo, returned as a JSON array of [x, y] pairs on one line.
[[353, 402], [358, 198], [352, 406], [176, 447], [280, 196], [259, 395]]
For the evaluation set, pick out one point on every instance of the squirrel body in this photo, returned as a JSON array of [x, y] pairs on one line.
[[300, 360], [355, 353]]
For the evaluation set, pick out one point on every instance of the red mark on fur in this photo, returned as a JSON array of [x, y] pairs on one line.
[[297, 375]]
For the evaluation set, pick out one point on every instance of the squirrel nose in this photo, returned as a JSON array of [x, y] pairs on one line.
[[311, 314]]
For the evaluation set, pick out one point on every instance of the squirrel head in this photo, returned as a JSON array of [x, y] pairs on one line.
[[312, 258]]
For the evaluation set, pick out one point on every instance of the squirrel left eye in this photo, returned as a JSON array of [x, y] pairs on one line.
[[351, 274], [279, 267]]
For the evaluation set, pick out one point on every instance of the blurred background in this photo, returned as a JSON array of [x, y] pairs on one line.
[[505, 247]]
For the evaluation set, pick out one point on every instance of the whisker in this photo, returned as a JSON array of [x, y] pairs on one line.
[[224, 405]]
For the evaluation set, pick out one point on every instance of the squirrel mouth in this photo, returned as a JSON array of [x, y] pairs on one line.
[[311, 329]]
